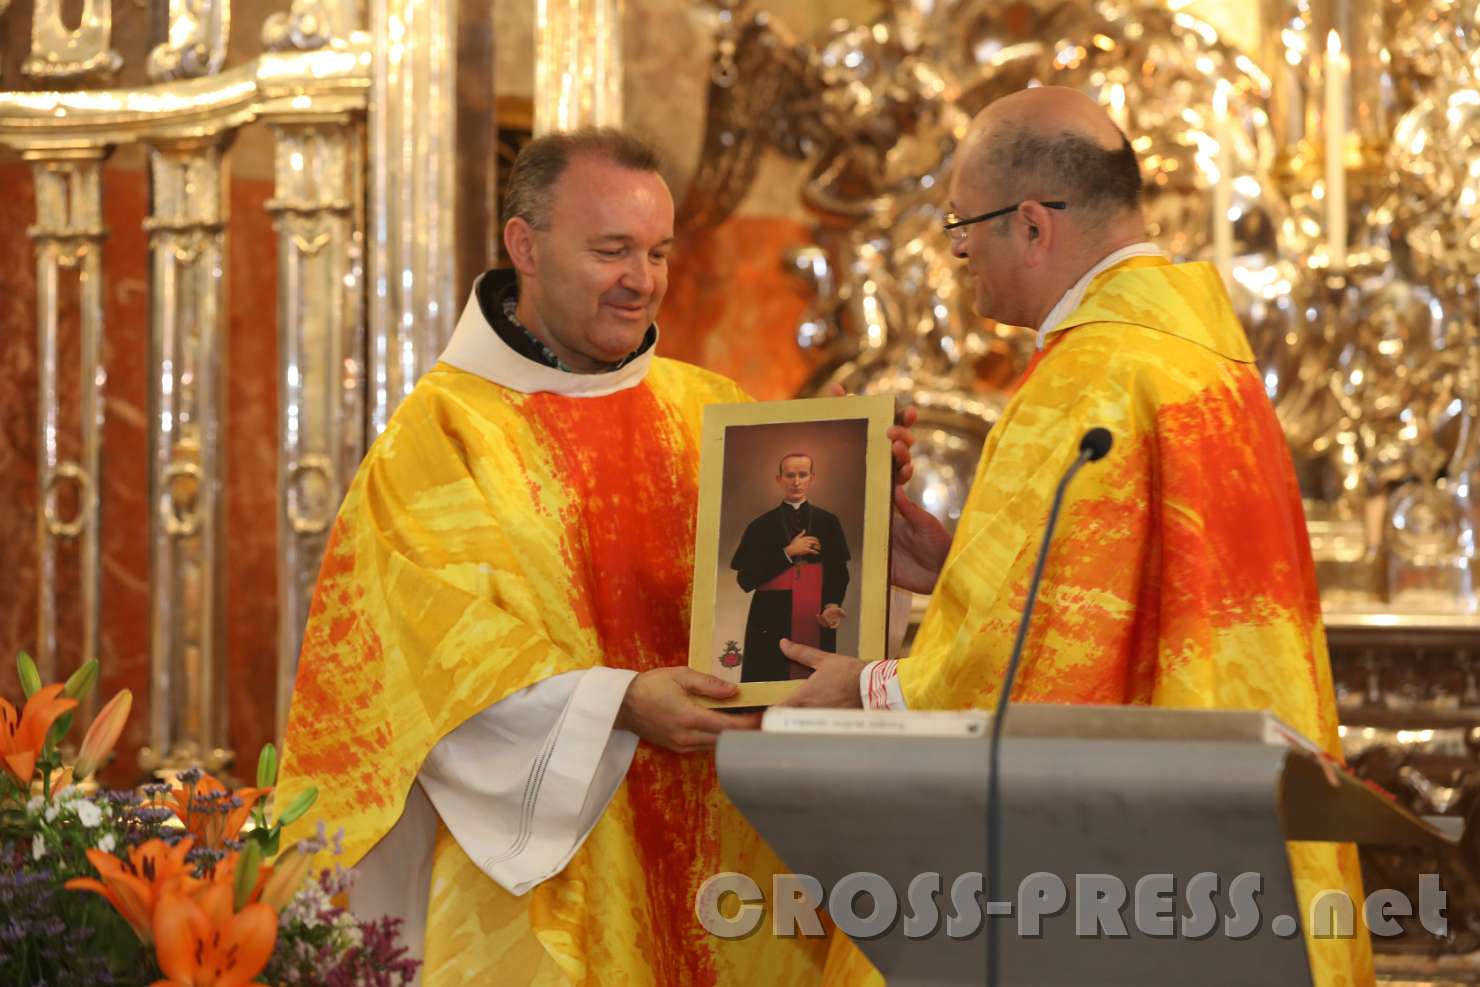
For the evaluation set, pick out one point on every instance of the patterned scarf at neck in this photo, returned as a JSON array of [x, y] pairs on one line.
[[511, 306]]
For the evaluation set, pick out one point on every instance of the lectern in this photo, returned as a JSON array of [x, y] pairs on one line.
[[1192, 806]]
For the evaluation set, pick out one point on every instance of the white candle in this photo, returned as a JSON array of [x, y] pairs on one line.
[[1223, 190], [1338, 71]]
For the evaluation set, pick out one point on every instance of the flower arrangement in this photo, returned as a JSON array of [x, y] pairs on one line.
[[182, 885]]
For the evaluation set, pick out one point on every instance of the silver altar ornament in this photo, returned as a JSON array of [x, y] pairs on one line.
[[196, 41], [1397, 374], [68, 238], [310, 24], [904, 324], [1431, 164], [63, 54], [1433, 45]]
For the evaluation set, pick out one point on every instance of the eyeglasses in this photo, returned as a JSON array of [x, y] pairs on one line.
[[956, 226]]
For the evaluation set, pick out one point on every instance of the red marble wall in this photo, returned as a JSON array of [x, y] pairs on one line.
[[250, 438], [729, 308], [17, 425]]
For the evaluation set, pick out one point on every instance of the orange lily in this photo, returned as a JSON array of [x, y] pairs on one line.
[[212, 828], [133, 885], [102, 735], [22, 737], [200, 942]]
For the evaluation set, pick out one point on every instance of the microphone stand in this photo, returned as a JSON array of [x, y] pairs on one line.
[[1094, 445]]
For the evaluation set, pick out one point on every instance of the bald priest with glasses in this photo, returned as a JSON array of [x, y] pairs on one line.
[[1181, 573]]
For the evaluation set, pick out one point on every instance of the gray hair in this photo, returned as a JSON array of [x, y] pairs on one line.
[[1098, 183], [543, 160]]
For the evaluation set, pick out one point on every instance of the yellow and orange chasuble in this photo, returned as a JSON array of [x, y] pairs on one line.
[[493, 539], [1180, 573]]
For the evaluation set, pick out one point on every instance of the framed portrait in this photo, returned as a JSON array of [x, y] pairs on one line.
[[792, 539]]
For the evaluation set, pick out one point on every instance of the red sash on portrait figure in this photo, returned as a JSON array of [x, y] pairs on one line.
[[804, 581]]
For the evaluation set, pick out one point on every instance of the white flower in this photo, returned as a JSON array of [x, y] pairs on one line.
[[107, 843], [38, 847], [308, 905], [353, 935], [88, 813], [52, 809], [34, 804], [69, 794]]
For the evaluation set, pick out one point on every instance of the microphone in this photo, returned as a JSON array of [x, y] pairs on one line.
[[1093, 446]]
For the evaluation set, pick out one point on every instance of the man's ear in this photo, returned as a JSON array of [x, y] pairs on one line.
[[1038, 224], [519, 242]]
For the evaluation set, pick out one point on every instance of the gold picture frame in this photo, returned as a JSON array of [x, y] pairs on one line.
[[742, 451]]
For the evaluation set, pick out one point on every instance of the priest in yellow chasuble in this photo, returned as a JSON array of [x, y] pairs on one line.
[[1180, 573], [503, 612]]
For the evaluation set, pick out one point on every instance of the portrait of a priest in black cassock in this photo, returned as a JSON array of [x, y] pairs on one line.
[[795, 559]]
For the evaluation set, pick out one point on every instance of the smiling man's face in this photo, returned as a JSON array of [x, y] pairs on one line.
[[601, 269]]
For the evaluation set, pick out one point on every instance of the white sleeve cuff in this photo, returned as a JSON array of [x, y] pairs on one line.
[[878, 685], [521, 784]]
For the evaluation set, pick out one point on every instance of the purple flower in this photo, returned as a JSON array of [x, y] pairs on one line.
[[153, 815], [49, 934], [379, 960], [205, 860]]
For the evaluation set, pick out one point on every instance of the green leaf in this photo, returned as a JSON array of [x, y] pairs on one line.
[[299, 806], [82, 681], [30, 677], [267, 766], [247, 867]]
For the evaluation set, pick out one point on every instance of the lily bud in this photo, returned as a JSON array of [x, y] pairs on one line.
[[82, 681], [29, 676], [267, 767], [298, 807], [248, 864], [288, 873], [103, 734]]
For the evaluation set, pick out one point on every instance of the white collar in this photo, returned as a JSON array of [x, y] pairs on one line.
[[797, 506], [1070, 300], [475, 346]]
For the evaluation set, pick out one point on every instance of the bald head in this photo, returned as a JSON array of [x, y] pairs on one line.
[[1051, 142], [1049, 111]]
